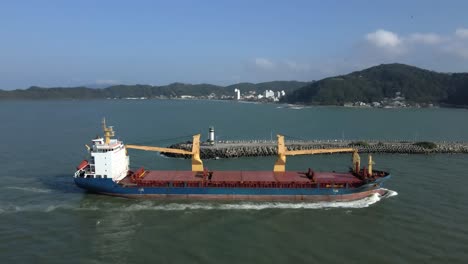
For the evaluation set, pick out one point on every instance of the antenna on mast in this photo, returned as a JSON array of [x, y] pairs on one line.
[[108, 131]]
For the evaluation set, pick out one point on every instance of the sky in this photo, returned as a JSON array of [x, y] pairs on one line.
[[87, 42]]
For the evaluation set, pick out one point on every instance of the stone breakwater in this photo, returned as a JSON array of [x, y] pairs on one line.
[[256, 148]]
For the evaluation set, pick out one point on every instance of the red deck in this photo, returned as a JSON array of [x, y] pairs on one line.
[[248, 177]]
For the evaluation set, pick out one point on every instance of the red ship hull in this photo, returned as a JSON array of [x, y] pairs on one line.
[[236, 197]]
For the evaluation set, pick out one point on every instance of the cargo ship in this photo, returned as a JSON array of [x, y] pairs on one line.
[[107, 171]]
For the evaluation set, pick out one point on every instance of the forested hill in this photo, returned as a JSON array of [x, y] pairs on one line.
[[169, 91], [370, 85], [384, 81]]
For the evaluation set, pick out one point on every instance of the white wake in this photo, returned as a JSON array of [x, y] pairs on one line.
[[28, 189], [153, 205], [362, 203]]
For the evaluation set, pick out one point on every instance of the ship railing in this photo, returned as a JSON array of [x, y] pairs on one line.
[[246, 184]]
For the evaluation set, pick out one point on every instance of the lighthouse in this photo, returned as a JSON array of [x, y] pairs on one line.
[[211, 136]]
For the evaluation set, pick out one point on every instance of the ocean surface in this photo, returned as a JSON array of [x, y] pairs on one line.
[[45, 218]]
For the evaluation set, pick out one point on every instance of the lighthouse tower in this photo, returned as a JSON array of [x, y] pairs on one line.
[[211, 135]]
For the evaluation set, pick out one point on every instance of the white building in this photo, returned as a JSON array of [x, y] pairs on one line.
[[237, 94], [269, 94]]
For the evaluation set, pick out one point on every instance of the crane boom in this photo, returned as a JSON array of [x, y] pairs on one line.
[[280, 164], [318, 151], [159, 149], [197, 163]]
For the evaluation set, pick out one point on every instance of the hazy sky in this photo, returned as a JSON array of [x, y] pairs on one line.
[[68, 43]]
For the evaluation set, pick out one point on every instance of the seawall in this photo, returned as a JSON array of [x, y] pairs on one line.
[[255, 148]]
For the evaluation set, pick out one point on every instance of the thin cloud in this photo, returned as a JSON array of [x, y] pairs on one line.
[[457, 48], [426, 38], [455, 44], [296, 66], [264, 63], [110, 82], [462, 33], [431, 50]]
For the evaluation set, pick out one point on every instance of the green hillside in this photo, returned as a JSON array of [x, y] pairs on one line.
[[370, 85], [169, 91], [384, 81]]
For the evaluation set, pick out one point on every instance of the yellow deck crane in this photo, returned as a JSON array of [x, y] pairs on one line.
[[280, 164], [197, 163]]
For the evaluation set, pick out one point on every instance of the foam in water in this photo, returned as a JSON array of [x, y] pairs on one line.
[[28, 189], [151, 205], [362, 203], [390, 194]]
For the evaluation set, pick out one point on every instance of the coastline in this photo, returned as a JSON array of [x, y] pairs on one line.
[[280, 104]]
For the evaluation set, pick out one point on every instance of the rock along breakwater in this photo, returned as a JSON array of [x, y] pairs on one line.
[[256, 148]]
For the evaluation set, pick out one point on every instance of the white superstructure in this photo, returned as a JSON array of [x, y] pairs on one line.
[[108, 159]]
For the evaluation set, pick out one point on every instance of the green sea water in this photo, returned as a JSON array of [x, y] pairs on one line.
[[45, 218]]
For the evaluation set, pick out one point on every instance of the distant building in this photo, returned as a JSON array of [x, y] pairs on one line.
[[280, 94], [237, 94], [269, 94]]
